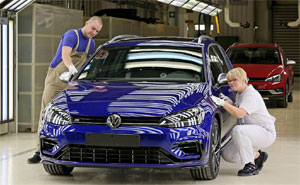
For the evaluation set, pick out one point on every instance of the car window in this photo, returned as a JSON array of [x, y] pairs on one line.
[[221, 58], [254, 56], [215, 64], [155, 63]]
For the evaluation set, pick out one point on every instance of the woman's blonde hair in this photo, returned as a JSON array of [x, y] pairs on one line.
[[237, 73]]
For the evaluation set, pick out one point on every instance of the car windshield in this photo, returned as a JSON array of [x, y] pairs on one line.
[[155, 63], [254, 56]]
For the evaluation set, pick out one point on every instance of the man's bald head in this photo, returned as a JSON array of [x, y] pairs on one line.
[[92, 27]]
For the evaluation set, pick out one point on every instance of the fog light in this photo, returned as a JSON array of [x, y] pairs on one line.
[[195, 147], [279, 90], [48, 143]]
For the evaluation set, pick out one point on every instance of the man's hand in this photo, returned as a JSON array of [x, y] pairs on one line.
[[72, 70], [218, 101], [225, 98]]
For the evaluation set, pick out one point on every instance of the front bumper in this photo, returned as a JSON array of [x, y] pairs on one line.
[[269, 90], [153, 147]]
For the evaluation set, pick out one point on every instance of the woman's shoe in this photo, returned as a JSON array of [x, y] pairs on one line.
[[261, 159], [248, 170]]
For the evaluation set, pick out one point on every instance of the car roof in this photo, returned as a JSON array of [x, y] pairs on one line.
[[262, 45], [132, 40]]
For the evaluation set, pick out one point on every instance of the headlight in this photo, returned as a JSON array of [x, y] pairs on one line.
[[190, 117], [55, 115], [275, 78]]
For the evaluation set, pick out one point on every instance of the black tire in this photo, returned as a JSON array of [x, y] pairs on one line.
[[212, 170], [57, 169], [290, 97], [284, 102]]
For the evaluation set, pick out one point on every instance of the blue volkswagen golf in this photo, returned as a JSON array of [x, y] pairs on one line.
[[142, 102]]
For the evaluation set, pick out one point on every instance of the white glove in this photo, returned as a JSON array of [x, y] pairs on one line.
[[226, 98], [217, 101], [72, 70], [65, 76]]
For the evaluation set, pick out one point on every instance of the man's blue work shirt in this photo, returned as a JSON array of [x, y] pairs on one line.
[[70, 39]]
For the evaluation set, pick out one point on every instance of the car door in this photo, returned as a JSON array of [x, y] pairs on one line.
[[219, 63]]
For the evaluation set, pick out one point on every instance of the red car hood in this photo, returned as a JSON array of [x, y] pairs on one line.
[[260, 70]]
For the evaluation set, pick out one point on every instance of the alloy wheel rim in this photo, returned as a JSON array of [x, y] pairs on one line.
[[215, 149]]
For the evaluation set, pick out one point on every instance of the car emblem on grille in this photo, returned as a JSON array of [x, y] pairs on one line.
[[113, 121]]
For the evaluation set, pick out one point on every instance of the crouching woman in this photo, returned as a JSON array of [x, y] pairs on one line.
[[256, 129]]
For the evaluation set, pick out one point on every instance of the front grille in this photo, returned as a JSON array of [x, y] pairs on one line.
[[88, 119], [129, 121], [264, 93], [126, 155], [257, 79]]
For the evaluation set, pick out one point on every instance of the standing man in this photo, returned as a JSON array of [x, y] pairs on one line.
[[72, 52], [257, 129]]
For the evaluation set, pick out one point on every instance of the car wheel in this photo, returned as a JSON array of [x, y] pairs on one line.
[[57, 169], [284, 102], [211, 171], [290, 97]]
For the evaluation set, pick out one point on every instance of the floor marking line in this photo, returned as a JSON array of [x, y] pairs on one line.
[[17, 154]]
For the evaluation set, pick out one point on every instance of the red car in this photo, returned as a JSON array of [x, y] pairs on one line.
[[269, 71]]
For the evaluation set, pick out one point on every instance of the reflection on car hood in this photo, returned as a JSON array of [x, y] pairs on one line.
[[260, 70], [139, 99]]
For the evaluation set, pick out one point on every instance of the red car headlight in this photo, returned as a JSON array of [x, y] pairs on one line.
[[275, 78]]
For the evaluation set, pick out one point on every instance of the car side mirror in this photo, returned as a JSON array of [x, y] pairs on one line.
[[65, 77], [290, 62], [222, 79]]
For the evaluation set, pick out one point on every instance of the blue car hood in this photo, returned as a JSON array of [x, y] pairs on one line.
[[135, 99]]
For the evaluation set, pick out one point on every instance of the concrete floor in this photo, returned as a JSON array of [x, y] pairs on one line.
[[282, 167]]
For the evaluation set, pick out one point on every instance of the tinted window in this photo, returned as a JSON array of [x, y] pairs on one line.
[[254, 56], [215, 64], [221, 58], [154, 63]]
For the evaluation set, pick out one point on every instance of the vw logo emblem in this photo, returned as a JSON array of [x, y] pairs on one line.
[[113, 121]]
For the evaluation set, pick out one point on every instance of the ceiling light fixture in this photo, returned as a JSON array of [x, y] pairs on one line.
[[195, 5], [178, 3], [14, 5], [190, 4]]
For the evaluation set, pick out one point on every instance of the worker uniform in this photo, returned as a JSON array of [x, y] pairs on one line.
[[81, 47], [255, 131]]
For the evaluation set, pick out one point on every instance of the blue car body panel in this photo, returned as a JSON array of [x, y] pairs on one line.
[[134, 99]]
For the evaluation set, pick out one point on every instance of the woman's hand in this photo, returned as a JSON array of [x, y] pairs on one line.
[[226, 98], [217, 101]]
